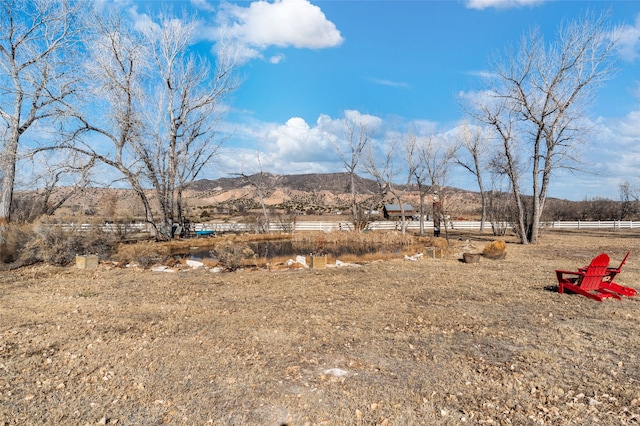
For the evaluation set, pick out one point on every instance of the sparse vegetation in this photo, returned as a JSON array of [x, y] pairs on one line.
[[231, 252], [430, 342], [54, 243]]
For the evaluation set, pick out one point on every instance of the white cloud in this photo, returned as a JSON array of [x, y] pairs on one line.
[[294, 147], [203, 5], [276, 59], [283, 23], [629, 41], [389, 83], [299, 143], [481, 74], [475, 99], [299, 147], [371, 121], [143, 22], [501, 4]]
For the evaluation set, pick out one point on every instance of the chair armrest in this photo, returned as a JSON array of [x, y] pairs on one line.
[[560, 273]]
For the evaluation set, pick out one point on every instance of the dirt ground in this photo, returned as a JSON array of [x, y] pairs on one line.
[[427, 342]]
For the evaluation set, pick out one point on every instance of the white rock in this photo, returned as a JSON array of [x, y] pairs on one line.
[[336, 372], [160, 268], [302, 260], [414, 257], [194, 263]]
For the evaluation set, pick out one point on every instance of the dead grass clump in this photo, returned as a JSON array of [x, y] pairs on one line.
[[435, 242], [369, 257], [55, 244], [495, 250], [144, 253], [16, 237], [340, 237], [232, 253]]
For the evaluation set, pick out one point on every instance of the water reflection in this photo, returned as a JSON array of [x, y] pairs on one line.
[[282, 248]]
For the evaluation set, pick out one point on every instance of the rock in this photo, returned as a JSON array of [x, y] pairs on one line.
[[194, 263], [336, 372], [414, 257], [160, 268]]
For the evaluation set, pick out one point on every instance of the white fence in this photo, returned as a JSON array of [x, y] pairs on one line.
[[396, 225], [224, 227]]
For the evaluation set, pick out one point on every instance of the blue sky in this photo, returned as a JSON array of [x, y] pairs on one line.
[[401, 65]]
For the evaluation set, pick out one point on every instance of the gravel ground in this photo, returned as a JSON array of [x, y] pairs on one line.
[[427, 342]]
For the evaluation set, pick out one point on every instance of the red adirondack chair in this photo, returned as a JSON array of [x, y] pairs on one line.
[[608, 284], [588, 281]]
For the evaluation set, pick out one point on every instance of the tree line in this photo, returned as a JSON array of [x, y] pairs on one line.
[[82, 89], [527, 124]]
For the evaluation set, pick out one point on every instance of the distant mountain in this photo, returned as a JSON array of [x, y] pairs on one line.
[[312, 192], [337, 183]]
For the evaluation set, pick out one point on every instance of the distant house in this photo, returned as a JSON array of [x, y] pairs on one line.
[[393, 212]]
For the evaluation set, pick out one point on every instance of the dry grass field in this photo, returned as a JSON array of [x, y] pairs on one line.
[[394, 342]]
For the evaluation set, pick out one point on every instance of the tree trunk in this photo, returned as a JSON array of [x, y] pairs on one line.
[[8, 176], [354, 202]]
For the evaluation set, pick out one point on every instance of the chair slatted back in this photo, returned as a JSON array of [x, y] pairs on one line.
[[594, 272]]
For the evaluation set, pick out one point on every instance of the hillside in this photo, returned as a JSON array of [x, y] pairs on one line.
[[296, 193], [337, 183], [303, 192]]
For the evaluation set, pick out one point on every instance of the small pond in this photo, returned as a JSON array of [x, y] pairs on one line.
[[283, 248]]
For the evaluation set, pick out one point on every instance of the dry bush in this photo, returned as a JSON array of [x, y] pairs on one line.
[[53, 243], [232, 253], [376, 237], [59, 245], [356, 243], [435, 242], [144, 253], [495, 250], [16, 237]]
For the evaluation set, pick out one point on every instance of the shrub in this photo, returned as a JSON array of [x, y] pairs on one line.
[[53, 243], [59, 244], [16, 238], [145, 253], [231, 253], [495, 250]]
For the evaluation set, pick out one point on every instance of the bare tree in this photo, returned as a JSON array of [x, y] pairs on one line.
[[417, 171], [387, 171], [628, 201], [470, 152], [435, 156], [116, 67], [55, 181], [190, 95], [37, 41], [358, 132], [259, 184], [163, 105], [536, 109]]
